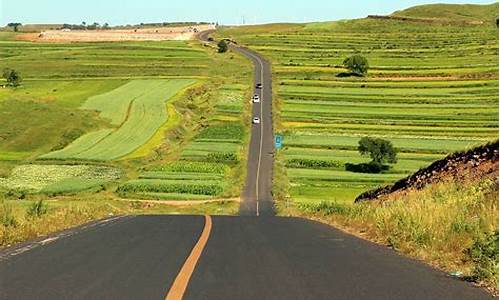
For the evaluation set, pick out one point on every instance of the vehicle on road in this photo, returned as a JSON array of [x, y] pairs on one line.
[[256, 99], [256, 120], [258, 86]]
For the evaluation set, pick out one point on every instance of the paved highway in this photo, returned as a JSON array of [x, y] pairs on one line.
[[197, 257], [203, 257]]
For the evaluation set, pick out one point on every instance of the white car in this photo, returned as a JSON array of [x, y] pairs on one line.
[[256, 120], [256, 99]]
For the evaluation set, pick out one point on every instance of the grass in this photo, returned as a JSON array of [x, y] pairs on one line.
[[449, 225], [17, 225], [432, 89], [137, 108]]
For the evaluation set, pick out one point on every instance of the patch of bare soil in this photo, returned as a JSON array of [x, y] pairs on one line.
[[117, 35]]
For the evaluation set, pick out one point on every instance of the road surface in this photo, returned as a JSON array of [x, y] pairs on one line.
[[256, 198], [243, 258]]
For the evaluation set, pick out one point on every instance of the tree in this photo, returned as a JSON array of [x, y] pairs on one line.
[[15, 26], [222, 46], [381, 151], [356, 64], [12, 76]]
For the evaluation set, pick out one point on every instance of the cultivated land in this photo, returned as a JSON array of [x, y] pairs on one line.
[[432, 89], [95, 118]]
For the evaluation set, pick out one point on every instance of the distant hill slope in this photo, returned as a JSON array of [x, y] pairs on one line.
[[469, 13], [480, 162]]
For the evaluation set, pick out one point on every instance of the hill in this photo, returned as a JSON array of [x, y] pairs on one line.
[[468, 13], [480, 162]]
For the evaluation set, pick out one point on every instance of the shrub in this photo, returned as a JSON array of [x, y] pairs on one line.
[[312, 163], [379, 150], [12, 77], [357, 64], [371, 167], [223, 47], [484, 254], [222, 157], [36, 209]]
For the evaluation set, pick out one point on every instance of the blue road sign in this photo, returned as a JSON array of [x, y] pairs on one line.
[[278, 141]]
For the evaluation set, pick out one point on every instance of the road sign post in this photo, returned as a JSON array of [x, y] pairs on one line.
[[278, 141]]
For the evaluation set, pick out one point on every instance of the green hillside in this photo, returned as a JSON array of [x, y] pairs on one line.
[[456, 12]]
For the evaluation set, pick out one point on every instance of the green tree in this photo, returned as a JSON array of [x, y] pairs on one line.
[[381, 151], [12, 76], [223, 47], [15, 26], [356, 64]]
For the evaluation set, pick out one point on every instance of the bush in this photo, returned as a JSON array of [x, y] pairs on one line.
[[222, 157], [357, 64], [36, 209], [312, 163], [484, 254], [223, 47], [371, 167], [379, 150], [12, 77]]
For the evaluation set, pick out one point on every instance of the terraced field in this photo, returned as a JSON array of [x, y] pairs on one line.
[[431, 89], [210, 165], [136, 108], [107, 102]]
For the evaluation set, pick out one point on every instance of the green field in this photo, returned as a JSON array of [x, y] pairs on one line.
[[58, 179], [211, 164], [136, 108], [432, 89]]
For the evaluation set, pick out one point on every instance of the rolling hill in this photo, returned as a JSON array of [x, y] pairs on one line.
[[468, 13]]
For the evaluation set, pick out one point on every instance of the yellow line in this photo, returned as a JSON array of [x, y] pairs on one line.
[[181, 282]]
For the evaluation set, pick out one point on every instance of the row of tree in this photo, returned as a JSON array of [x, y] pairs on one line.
[[85, 26]]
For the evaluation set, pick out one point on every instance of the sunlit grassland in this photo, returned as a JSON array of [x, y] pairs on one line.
[[431, 89]]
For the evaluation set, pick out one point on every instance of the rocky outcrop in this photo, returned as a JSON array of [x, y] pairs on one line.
[[476, 163]]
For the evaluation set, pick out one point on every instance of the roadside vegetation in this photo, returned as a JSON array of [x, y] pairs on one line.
[[452, 225], [27, 219]]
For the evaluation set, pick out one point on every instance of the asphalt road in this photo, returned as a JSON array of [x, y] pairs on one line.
[[256, 197], [244, 258]]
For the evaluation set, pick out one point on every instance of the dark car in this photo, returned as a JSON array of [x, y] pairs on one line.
[[259, 85], [210, 39]]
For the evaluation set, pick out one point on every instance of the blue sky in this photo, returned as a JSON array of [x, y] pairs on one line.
[[222, 11]]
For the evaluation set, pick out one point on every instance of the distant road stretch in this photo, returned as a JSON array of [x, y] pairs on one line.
[[256, 196]]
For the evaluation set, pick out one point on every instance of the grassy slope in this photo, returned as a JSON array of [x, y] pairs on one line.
[[455, 12]]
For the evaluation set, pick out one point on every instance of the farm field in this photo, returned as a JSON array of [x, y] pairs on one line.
[[58, 179], [136, 106], [431, 89], [210, 165]]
